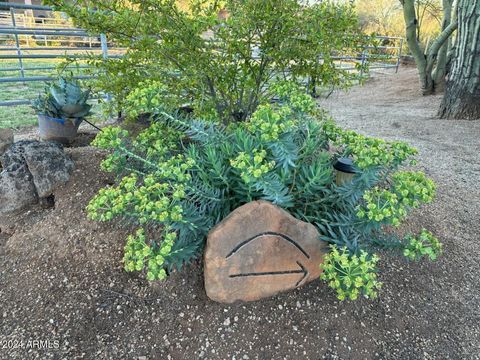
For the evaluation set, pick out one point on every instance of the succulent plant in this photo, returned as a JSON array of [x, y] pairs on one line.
[[63, 99]]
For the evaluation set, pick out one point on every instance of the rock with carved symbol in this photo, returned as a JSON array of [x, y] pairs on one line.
[[258, 251]]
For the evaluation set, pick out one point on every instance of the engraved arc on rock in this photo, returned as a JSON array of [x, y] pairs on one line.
[[301, 269]]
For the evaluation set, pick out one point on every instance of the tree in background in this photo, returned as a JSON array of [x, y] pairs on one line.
[[380, 16], [385, 17], [431, 62], [462, 95]]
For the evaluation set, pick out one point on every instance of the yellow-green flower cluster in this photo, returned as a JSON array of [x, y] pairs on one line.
[[175, 168], [424, 244], [414, 188], [409, 190], [296, 97], [157, 140], [382, 206], [156, 263], [350, 275], [149, 97], [156, 199], [252, 166], [110, 137], [138, 253], [368, 151], [271, 121], [112, 201], [112, 162]]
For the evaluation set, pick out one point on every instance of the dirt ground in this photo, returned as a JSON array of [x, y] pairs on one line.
[[62, 281]]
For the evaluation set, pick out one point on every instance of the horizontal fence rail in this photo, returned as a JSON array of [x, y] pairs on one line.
[[34, 36], [32, 33]]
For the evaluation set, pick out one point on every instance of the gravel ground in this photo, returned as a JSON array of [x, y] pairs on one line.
[[62, 283]]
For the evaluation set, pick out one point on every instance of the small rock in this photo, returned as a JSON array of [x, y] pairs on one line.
[[227, 322]]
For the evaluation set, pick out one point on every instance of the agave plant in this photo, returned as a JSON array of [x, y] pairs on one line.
[[63, 99]]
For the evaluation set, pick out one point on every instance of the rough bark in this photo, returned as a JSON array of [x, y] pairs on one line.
[[410, 17], [426, 62], [440, 71], [462, 95]]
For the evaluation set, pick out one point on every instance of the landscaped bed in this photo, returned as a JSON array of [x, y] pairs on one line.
[[63, 277]]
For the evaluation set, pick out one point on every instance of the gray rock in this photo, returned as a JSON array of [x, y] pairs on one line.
[[49, 166], [6, 139], [17, 189], [31, 170]]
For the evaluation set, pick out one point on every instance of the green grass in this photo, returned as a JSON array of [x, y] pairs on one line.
[[21, 116]]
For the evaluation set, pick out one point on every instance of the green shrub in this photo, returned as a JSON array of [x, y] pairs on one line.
[[207, 61], [182, 176]]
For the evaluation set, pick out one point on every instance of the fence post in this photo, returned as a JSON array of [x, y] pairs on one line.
[[17, 42], [400, 49], [104, 44], [103, 41], [364, 60]]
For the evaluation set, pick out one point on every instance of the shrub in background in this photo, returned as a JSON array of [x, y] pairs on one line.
[[221, 65], [182, 176]]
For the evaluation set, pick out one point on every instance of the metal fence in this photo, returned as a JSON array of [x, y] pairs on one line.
[[30, 33], [36, 34]]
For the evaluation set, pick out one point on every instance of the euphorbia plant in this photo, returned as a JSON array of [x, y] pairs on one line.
[[183, 176]]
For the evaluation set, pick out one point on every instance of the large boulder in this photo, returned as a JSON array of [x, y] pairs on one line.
[[31, 170], [6, 139], [258, 251]]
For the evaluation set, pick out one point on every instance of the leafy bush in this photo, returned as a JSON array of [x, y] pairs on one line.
[[221, 65], [182, 176]]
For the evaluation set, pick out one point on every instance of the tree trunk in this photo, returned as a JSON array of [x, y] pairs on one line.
[[462, 95], [438, 51], [410, 16], [440, 70]]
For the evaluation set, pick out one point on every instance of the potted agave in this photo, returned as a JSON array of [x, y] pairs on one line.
[[61, 109]]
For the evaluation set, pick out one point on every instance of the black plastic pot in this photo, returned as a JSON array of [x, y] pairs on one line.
[[345, 170]]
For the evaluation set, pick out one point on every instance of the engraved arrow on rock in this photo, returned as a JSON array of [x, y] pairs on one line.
[[302, 270]]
